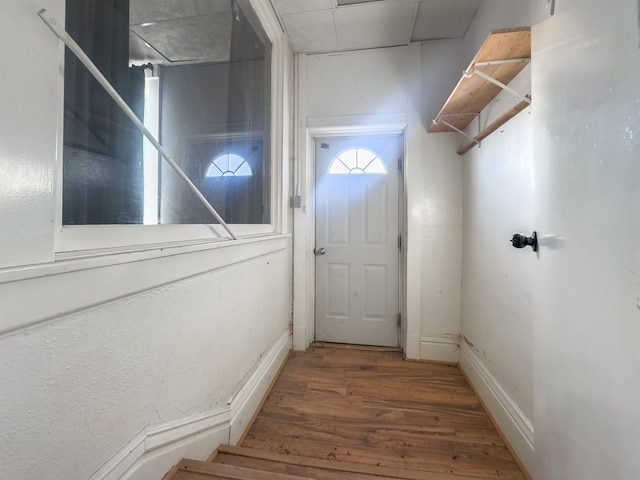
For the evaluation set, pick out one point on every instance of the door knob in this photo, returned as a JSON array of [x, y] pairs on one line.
[[521, 241], [319, 251]]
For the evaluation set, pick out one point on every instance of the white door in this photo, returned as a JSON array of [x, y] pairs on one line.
[[357, 240]]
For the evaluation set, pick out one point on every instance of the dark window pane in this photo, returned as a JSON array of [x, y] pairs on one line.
[[213, 65]]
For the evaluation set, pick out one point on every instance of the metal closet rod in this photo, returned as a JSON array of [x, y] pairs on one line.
[[86, 61]]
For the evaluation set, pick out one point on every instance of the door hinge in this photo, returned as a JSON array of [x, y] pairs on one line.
[[400, 163], [399, 319], [399, 241]]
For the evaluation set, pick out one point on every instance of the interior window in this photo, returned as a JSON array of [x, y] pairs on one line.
[[198, 75], [357, 161]]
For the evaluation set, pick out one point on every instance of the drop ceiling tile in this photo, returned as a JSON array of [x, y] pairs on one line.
[[285, 7], [311, 32], [140, 52], [377, 24], [353, 2], [443, 19], [144, 11], [206, 38]]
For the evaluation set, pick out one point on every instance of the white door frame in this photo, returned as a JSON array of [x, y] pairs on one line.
[[304, 215]]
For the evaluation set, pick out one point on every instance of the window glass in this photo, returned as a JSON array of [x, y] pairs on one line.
[[198, 75], [228, 165], [357, 161]]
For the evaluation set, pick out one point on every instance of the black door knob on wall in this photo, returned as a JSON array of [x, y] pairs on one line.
[[521, 241]]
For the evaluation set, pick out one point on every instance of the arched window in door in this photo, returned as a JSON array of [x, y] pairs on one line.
[[228, 165], [357, 161]]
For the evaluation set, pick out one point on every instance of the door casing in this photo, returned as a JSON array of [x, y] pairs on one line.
[[304, 219], [378, 326]]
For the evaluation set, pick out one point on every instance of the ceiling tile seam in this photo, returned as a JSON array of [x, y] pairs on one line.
[[335, 29], [150, 46], [471, 22], [413, 22], [168, 20]]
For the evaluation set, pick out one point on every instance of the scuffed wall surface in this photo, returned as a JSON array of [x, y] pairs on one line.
[[587, 316], [499, 280], [76, 390], [440, 206]]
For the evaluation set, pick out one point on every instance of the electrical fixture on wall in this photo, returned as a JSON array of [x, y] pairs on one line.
[[521, 241]]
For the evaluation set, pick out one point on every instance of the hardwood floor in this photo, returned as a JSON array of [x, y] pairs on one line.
[[369, 407]]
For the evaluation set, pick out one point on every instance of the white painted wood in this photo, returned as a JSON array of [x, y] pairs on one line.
[[304, 229], [29, 123], [515, 425], [357, 223], [137, 272], [387, 87], [246, 402], [155, 464], [444, 348], [155, 450]]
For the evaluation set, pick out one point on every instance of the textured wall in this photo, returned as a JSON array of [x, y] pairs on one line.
[[76, 389], [498, 281], [97, 349], [586, 127]]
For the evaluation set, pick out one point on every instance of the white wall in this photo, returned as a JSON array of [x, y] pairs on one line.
[[553, 337], [366, 89], [105, 350], [586, 124], [440, 208], [498, 280]]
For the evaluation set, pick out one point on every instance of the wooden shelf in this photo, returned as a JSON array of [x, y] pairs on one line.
[[473, 93]]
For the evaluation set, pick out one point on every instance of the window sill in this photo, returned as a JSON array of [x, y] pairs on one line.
[[66, 262], [76, 241]]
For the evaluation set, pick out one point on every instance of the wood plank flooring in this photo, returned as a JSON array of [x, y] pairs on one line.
[[368, 406]]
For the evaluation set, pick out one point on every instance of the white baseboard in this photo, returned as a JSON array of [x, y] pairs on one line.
[[515, 425], [245, 403], [442, 348], [153, 452]]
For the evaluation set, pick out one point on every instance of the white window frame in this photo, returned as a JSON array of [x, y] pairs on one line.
[[73, 241]]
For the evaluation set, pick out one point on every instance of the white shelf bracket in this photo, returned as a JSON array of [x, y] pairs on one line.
[[465, 134], [489, 78]]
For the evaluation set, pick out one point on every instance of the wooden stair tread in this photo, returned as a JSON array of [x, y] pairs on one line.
[[228, 472], [320, 469]]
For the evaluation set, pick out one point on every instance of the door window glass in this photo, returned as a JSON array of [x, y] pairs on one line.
[[357, 161]]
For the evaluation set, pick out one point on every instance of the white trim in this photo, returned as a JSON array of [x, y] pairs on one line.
[[337, 125], [439, 348], [303, 279], [304, 225], [84, 238], [515, 425], [136, 272], [71, 238], [181, 437], [247, 401]]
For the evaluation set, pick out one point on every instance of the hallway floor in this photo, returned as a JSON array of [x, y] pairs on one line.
[[369, 406]]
